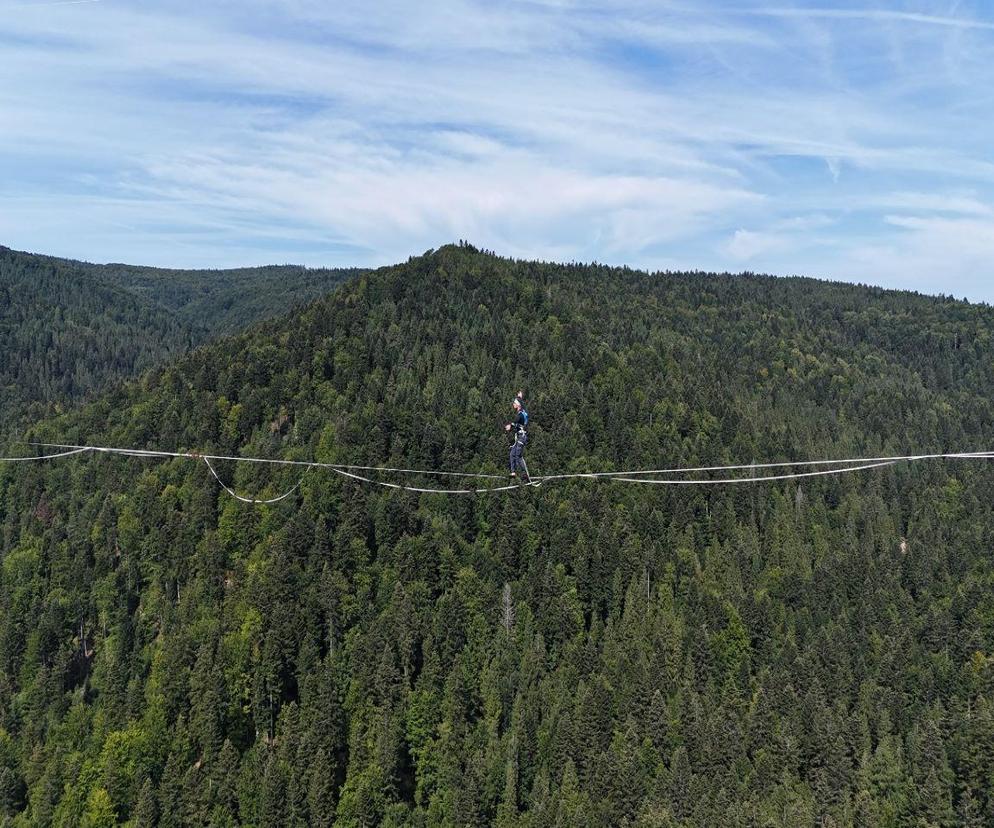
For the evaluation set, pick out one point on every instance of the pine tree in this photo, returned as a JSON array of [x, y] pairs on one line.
[[322, 790], [224, 779], [273, 810], [207, 703], [146, 811]]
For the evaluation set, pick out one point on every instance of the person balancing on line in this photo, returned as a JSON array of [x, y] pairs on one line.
[[518, 427]]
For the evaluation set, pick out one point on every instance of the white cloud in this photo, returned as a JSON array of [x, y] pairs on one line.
[[804, 224], [935, 202], [931, 254], [496, 196], [746, 244]]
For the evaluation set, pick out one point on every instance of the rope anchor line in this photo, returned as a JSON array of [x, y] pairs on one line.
[[663, 477]]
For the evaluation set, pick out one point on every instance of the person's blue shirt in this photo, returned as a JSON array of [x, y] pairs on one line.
[[520, 422]]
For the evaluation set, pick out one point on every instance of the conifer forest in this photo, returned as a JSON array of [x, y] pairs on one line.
[[583, 653]]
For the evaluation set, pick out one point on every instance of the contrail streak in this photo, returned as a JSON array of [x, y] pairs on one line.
[[872, 14], [46, 5]]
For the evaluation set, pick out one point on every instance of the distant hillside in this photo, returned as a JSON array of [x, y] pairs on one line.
[[225, 301], [803, 653], [69, 328]]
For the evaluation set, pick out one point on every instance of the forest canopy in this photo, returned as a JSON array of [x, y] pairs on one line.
[[71, 329], [815, 653]]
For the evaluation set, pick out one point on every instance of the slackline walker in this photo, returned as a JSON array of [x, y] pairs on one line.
[[519, 431], [726, 475]]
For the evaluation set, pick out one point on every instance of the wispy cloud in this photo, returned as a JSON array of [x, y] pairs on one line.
[[874, 15], [356, 133], [938, 254], [43, 4]]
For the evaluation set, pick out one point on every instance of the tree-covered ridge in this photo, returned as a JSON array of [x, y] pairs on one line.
[[64, 333], [578, 654], [225, 301], [68, 329]]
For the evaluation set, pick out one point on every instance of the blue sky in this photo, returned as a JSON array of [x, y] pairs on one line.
[[840, 140]]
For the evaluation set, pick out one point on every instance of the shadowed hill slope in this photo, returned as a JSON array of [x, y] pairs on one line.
[[576, 654], [225, 301], [68, 329]]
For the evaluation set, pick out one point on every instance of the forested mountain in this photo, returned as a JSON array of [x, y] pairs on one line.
[[578, 654], [69, 328], [225, 301]]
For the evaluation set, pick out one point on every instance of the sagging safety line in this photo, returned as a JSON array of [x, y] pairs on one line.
[[254, 501], [637, 476]]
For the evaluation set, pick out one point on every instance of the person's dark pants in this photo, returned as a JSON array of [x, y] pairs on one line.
[[516, 451]]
